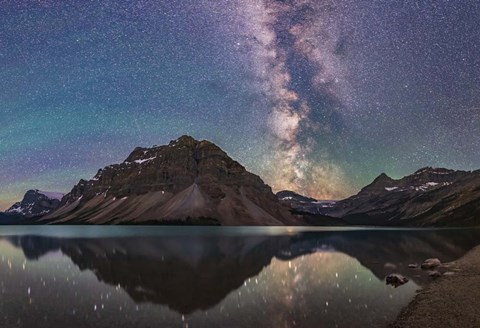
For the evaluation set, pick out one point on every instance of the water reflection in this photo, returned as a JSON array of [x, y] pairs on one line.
[[309, 279]]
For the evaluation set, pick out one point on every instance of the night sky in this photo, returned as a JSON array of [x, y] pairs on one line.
[[314, 96]]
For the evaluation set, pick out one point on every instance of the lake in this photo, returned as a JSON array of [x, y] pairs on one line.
[[113, 276]]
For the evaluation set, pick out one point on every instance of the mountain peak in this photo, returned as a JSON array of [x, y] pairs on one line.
[[184, 140], [382, 177], [36, 203], [378, 185]]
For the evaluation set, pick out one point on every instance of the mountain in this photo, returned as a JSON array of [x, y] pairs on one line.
[[309, 209], [303, 204], [428, 197], [186, 181], [35, 203]]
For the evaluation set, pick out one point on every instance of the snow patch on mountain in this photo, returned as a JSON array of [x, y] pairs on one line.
[[140, 161], [391, 188]]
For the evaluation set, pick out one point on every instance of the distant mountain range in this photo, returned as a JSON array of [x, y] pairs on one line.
[[428, 197], [195, 182]]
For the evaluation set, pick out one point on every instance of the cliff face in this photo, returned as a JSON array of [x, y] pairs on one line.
[[184, 180]]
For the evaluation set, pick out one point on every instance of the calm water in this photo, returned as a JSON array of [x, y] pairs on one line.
[[212, 277]]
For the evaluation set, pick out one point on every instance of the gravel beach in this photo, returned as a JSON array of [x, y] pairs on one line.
[[449, 301]]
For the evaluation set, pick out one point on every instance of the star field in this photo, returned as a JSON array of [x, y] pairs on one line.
[[315, 96]]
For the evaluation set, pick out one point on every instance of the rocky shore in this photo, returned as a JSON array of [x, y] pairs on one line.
[[452, 300]]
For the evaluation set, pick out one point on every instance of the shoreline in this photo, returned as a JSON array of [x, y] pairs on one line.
[[448, 301]]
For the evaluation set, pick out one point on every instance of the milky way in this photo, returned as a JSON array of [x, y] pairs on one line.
[[315, 96], [276, 32]]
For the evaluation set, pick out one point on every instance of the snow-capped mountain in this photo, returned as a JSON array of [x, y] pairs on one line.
[[36, 203]]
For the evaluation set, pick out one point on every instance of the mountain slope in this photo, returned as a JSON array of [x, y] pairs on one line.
[[184, 181]]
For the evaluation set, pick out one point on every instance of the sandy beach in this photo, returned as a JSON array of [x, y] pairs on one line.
[[449, 301]]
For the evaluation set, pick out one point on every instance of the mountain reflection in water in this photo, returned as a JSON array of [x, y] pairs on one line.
[[305, 279]]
